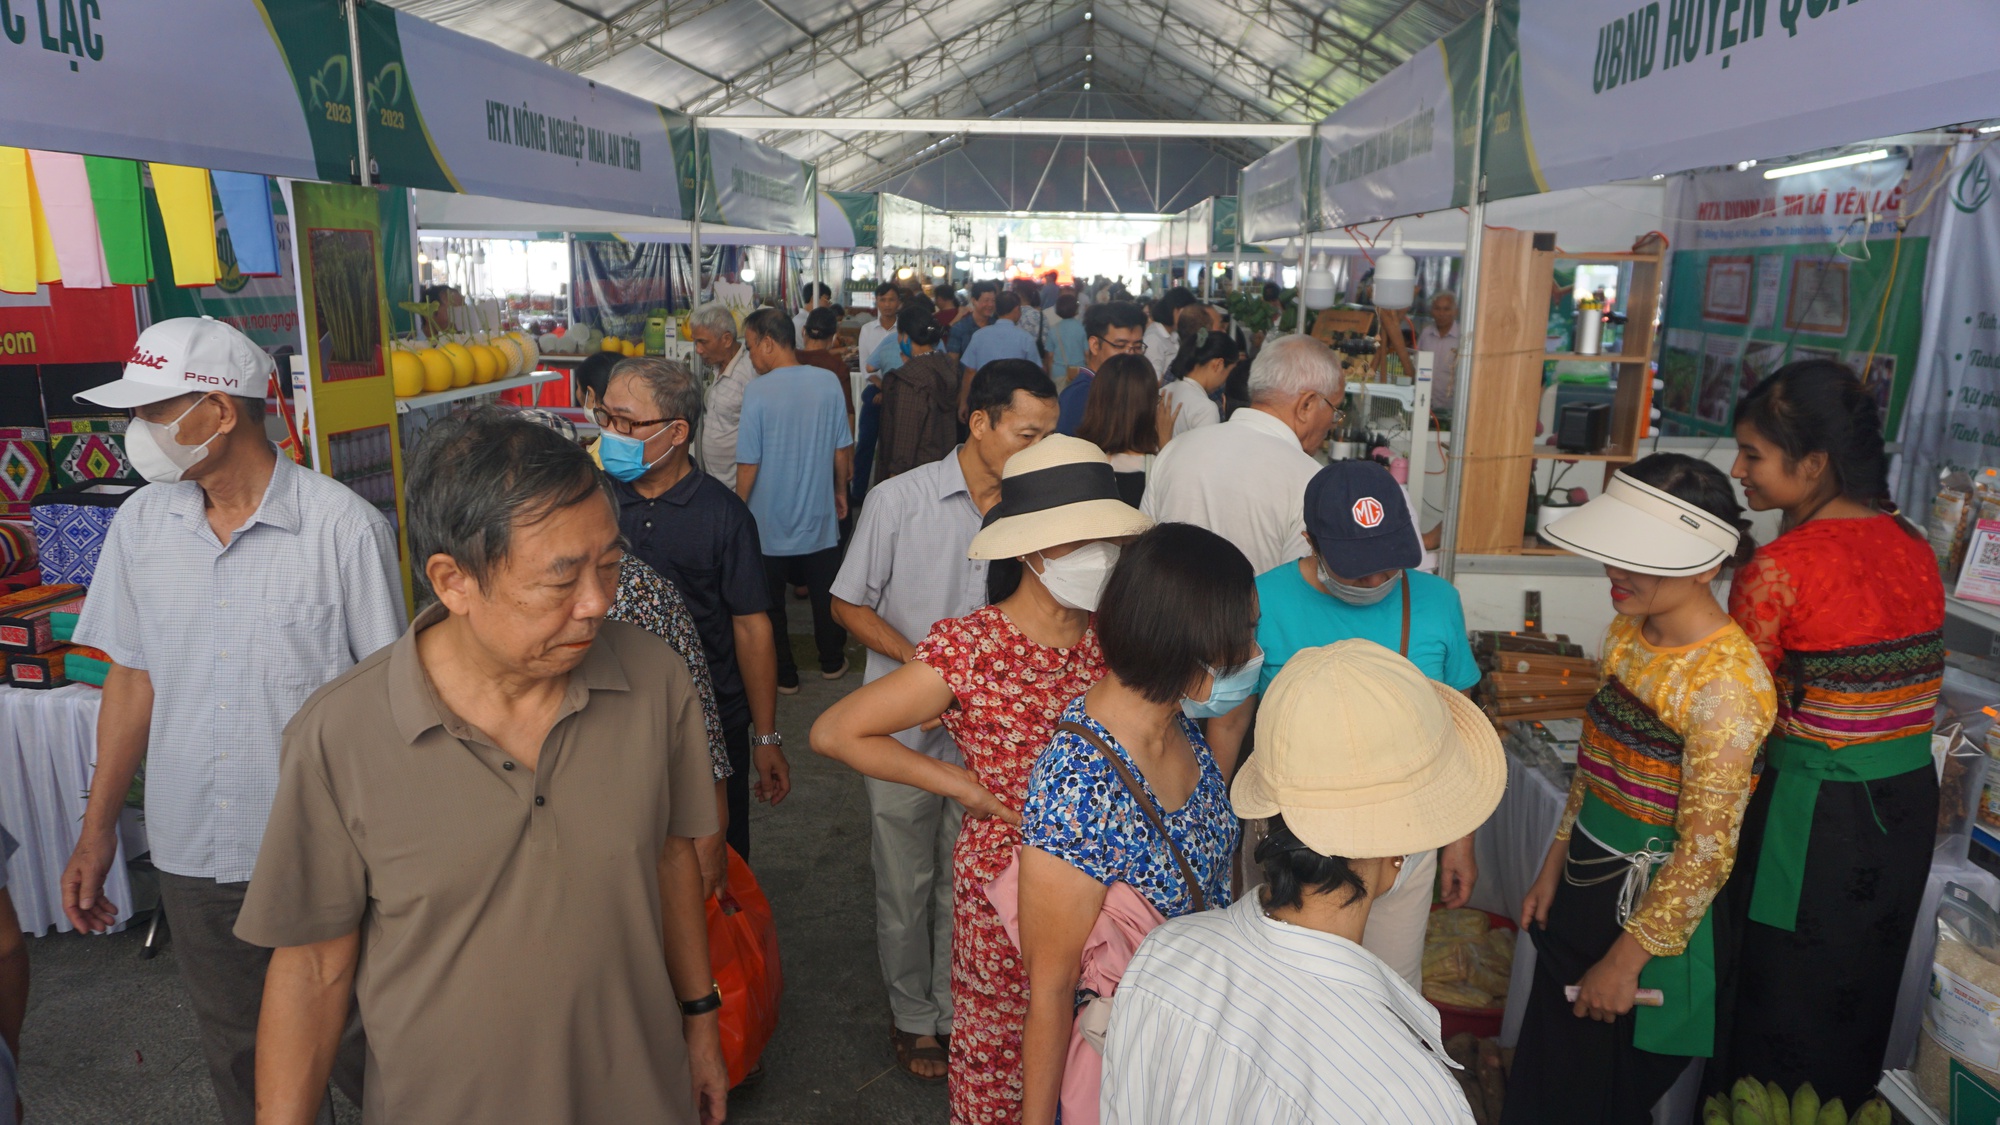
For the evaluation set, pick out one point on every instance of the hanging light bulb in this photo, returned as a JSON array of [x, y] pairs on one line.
[[937, 271], [1395, 276], [748, 275], [1316, 291]]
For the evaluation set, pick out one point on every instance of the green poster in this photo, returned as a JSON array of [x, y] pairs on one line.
[[863, 216], [313, 37]]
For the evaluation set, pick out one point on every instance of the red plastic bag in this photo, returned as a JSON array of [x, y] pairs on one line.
[[743, 951]]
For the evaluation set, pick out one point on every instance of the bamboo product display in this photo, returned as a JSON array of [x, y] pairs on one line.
[[1528, 676]]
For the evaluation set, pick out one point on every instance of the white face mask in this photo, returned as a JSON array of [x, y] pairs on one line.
[[156, 454], [1357, 595], [1077, 580]]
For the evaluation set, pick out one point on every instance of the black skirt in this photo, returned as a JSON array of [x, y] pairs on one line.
[[1815, 1004], [1574, 1070]]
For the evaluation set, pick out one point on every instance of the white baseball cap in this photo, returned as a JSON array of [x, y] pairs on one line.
[[186, 355]]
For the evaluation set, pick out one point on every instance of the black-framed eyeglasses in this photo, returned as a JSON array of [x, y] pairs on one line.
[[623, 426], [1136, 347]]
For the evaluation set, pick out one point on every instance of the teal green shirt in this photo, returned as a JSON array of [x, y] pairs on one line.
[[1295, 616]]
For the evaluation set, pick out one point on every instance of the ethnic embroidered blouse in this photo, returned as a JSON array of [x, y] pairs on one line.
[[1849, 617], [1672, 741]]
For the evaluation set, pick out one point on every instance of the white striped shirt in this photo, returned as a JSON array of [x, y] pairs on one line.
[[234, 639], [1231, 1016]]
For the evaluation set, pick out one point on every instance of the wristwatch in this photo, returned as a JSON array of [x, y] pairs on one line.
[[705, 1005], [772, 739]]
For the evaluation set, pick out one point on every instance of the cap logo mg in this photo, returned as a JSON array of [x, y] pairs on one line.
[[1368, 512]]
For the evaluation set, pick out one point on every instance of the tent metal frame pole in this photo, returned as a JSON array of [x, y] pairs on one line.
[[1299, 292], [694, 249], [360, 92], [1468, 306]]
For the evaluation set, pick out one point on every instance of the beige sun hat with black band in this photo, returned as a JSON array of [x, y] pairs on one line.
[[1367, 757], [1634, 526], [1059, 490]]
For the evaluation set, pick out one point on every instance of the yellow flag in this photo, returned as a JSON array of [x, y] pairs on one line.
[[17, 222], [187, 210]]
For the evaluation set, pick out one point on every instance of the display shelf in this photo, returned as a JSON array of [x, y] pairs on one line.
[[1977, 613], [1607, 256], [1551, 453], [1984, 837], [1900, 1090], [1600, 357], [439, 398]]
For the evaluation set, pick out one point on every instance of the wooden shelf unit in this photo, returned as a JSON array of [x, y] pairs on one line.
[[1516, 274]]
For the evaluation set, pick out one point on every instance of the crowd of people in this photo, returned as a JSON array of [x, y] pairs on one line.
[[1165, 732]]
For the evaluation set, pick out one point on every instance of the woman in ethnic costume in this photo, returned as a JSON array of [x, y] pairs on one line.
[[1847, 610], [1664, 773]]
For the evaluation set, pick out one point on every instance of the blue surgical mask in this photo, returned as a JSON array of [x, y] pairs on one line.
[[625, 457], [1230, 688], [905, 345]]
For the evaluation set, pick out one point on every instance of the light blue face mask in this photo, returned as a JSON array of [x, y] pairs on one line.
[[905, 346], [1230, 688], [625, 457]]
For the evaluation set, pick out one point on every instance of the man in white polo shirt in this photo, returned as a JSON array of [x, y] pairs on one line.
[[229, 589]]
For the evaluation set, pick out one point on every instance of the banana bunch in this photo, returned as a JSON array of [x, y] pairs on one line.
[[1752, 1104]]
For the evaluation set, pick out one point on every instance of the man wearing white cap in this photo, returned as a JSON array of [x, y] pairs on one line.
[[227, 592], [1272, 1011]]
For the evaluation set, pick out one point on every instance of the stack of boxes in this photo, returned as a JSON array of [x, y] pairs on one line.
[[35, 629]]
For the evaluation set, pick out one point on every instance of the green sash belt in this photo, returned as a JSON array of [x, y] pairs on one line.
[[1685, 1023], [1803, 763]]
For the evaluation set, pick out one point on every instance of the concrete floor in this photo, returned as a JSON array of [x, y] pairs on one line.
[[110, 1038]]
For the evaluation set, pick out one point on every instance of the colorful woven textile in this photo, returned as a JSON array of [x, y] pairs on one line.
[[86, 450], [70, 537], [17, 546], [24, 468]]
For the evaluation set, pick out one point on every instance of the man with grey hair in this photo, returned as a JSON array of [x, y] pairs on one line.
[[700, 535], [515, 910], [1246, 479], [228, 590], [719, 344]]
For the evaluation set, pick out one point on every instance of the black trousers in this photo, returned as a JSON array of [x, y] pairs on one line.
[[225, 982], [816, 573], [736, 743]]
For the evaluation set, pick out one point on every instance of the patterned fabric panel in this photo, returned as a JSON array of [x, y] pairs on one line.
[[1628, 757], [70, 536], [1867, 693], [24, 468]]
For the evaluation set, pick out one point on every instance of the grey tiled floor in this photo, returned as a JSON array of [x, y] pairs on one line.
[[110, 1038]]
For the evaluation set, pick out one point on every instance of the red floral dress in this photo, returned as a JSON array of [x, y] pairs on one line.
[[1010, 694]]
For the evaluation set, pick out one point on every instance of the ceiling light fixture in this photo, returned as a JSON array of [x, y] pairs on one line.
[[1823, 165], [1086, 58], [1982, 128], [1086, 15], [1086, 85]]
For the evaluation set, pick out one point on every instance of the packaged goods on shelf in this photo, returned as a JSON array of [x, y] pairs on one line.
[[25, 617]]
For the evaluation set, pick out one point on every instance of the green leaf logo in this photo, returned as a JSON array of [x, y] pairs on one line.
[[1974, 185], [386, 89], [330, 84]]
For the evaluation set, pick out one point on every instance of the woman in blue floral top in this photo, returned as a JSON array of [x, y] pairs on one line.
[[1084, 828]]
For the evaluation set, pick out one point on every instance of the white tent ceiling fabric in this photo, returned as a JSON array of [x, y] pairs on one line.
[[1276, 60]]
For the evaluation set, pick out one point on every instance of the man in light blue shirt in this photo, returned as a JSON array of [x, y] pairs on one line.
[[793, 459], [1361, 581], [1002, 339], [228, 590]]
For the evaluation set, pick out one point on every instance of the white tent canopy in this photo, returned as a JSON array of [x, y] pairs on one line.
[[1609, 217], [446, 214]]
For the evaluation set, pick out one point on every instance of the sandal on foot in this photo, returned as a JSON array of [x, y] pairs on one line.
[[907, 1052]]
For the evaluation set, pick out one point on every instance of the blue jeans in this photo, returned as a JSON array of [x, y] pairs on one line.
[[867, 427]]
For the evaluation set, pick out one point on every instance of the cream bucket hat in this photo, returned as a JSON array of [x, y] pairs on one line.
[[1059, 490], [1367, 757]]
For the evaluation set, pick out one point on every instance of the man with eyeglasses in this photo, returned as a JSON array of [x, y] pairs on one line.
[[1109, 328], [700, 535], [1245, 479]]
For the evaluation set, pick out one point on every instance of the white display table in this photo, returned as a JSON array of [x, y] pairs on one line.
[[48, 749]]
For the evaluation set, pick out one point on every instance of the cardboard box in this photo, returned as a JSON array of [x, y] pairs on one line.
[[27, 618]]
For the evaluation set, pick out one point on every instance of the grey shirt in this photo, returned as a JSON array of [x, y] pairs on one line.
[[234, 639], [907, 562]]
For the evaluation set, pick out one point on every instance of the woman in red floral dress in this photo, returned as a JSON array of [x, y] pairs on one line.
[[998, 678]]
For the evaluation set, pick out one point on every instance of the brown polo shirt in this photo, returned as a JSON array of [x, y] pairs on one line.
[[511, 965]]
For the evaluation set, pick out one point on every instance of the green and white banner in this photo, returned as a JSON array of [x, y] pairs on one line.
[[756, 186], [1767, 272], [1952, 419], [858, 212], [453, 113], [1619, 91], [231, 84], [1272, 192]]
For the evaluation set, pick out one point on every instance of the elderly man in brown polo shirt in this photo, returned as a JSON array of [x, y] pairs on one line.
[[484, 831]]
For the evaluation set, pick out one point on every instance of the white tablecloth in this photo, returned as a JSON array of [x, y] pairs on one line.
[[48, 748]]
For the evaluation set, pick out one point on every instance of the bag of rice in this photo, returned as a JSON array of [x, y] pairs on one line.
[[1962, 1016]]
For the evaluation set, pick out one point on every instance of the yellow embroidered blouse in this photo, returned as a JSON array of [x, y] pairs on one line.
[[1716, 694]]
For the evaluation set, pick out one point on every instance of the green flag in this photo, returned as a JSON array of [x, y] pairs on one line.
[[121, 218]]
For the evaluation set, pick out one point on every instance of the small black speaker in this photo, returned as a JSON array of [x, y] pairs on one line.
[[1583, 427]]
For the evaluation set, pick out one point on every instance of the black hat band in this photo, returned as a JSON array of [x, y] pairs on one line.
[[1054, 487]]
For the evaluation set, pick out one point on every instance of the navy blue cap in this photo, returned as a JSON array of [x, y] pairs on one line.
[[1357, 514]]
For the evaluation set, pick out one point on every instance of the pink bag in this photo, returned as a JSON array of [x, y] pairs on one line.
[[1123, 922]]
